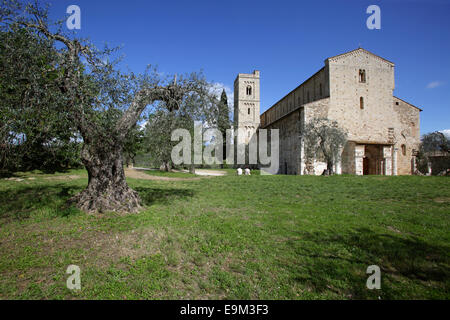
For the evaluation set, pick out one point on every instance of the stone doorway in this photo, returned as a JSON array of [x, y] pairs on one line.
[[373, 162]]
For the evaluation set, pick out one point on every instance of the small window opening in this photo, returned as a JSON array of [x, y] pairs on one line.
[[362, 75], [403, 150], [361, 103]]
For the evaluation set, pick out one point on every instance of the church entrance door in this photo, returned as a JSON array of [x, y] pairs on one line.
[[373, 162], [365, 166]]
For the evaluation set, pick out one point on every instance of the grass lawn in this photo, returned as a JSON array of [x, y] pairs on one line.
[[258, 237]]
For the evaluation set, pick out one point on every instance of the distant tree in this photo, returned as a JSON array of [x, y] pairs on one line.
[[323, 137], [223, 119], [431, 144], [133, 145], [157, 136], [435, 141], [162, 122]]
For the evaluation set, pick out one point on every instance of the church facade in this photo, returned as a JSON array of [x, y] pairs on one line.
[[355, 89]]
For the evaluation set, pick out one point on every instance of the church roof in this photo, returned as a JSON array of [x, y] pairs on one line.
[[411, 105], [361, 50]]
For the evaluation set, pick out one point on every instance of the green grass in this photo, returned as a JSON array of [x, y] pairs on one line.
[[262, 237]]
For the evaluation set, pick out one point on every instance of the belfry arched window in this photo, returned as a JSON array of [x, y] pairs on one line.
[[362, 75], [249, 90]]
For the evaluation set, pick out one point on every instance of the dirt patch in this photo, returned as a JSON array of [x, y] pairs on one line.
[[204, 172], [14, 179], [138, 174], [63, 178], [393, 229], [90, 249], [53, 178], [380, 178], [96, 247], [442, 200]]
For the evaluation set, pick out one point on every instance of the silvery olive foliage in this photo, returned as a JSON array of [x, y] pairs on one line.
[[195, 110], [34, 133], [100, 103], [323, 138], [433, 143]]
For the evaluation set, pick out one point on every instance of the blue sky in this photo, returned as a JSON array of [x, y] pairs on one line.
[[287, 41]]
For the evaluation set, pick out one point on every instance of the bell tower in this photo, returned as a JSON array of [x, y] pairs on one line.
[[246, 106]]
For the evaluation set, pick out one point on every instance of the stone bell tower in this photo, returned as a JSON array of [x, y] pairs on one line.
[[246, 106]]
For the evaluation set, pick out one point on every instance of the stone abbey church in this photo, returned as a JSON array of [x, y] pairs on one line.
[[356, 89]]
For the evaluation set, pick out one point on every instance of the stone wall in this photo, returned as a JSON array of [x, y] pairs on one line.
[[290, 151], [408, 135]]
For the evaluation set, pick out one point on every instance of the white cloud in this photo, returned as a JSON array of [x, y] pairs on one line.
[[446, 132], [434, 84], [217, 88], [142, 124]]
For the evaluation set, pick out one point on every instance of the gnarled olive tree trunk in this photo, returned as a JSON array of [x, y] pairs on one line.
[[107, 188], [92, 91]]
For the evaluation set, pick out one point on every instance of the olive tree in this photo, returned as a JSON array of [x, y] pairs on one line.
[[102, 103], [433, 143], [194, 110], [33, 133], [322, 137]]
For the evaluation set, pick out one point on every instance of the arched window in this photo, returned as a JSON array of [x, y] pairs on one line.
[[361, 102], [403, 150], [362, 75], [248, 110], [249, 90]]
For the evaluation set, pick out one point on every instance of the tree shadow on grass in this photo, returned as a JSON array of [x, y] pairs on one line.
[[338, 263], [20, 202], [151, 196]]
